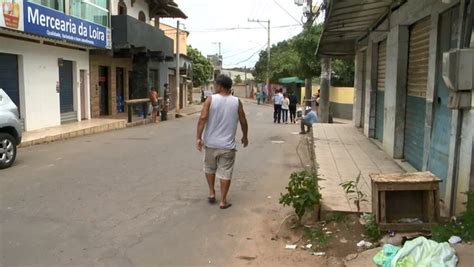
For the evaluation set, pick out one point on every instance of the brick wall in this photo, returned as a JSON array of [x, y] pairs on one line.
[[112, 64]]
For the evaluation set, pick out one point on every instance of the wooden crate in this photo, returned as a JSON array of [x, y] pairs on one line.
[[405, 195]]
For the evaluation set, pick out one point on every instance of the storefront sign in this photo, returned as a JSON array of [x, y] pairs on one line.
[[11, 14], [33, 18]]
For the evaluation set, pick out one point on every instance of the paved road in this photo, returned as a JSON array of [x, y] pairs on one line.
[[137, 197]]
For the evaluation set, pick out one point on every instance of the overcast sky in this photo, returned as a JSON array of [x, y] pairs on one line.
[[207, 20]]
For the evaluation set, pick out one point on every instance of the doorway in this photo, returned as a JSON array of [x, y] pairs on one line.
[[9, 77], [153, 79], [104, 90], [82, 86], [182, 96], [120, 90], [65, 87]]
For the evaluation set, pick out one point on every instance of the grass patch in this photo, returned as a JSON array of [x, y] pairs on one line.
[[317, 236], [339, 217], [462, 226], [371, 228]]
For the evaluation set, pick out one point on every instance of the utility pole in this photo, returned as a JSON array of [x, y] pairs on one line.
[[307, 28], [219, 57], [178, 72], [219, 44], [268, 51]]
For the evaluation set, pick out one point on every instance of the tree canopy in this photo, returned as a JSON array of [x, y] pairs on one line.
[[342, 72], [292, 57], [238, 79], [202, 67], [295, 57]]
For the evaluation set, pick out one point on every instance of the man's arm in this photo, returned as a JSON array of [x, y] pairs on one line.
[[202, 123], [243, 125]]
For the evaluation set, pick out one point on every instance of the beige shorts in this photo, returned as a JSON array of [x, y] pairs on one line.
[[219, 162]]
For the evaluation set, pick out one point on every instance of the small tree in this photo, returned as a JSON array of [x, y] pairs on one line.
[[238, 79], [202, 67]]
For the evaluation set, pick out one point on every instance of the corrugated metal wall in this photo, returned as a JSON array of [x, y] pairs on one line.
[[379, 105], [417, 79]]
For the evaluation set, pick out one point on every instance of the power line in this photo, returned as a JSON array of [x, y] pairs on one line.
[[242, 52], [238, 28], [287, 12], [249, 58]]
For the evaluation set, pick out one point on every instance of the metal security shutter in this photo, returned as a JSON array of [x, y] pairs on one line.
[[417, 78], [438, 160], [9, 76], [379, 104], [65, 84]]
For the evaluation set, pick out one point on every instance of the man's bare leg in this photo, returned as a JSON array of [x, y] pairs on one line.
[[211, 179], [225, 185]]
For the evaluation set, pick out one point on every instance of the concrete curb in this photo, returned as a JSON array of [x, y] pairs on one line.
[[82, 132]]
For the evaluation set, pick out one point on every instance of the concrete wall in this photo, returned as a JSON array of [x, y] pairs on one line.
[[112, 64], [170, 32], [396, 33], [139, 5], [341, 100], [241, 91], [38, 76]]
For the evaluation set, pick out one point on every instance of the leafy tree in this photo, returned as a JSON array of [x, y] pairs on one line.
[[238, 79], [293, 57], [305, 45], [342, 72], [202, 67], [296, 57], [283, 63]]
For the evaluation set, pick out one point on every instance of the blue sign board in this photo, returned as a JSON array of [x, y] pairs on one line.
[[54, 24]]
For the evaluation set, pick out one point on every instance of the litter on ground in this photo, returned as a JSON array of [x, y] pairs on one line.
[[454, 239], [417, 252]]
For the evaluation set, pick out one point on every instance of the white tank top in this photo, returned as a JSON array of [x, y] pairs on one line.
[[222, 122]]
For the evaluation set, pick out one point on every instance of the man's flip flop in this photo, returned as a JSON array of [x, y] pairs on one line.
[[226, 206], [211, 199]]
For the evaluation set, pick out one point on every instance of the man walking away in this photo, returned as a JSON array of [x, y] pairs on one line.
[[277, 101], [293, 103], [219, 116], [308, 120]]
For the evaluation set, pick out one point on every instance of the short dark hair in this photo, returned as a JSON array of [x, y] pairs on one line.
[[225, 81], [166, 84]]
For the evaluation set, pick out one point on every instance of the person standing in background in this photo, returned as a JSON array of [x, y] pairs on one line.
[[277, 101], [292, 107], [259, 97], [285, 105]]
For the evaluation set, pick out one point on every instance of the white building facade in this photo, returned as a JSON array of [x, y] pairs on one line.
[[44, 57]]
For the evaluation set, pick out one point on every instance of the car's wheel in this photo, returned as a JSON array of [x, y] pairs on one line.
[[7, 150]]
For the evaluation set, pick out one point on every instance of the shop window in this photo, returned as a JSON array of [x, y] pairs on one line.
[[96, 11], [54, 4], [141, 16], [122, 8]]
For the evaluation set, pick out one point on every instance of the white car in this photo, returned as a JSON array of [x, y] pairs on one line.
[[10, 130]]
